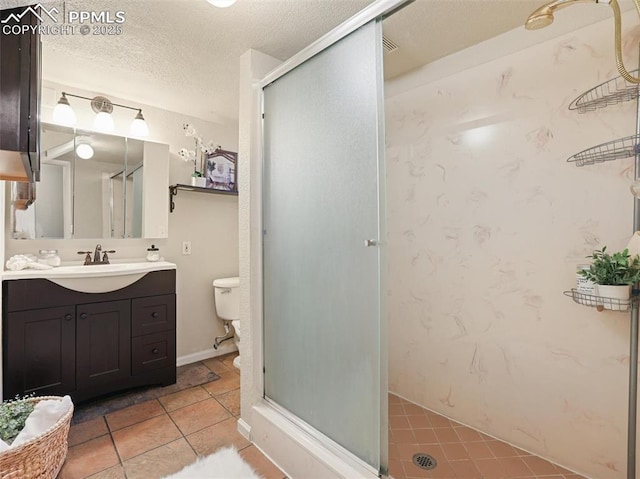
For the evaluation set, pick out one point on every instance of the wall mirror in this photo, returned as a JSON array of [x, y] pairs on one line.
[[93, 185]]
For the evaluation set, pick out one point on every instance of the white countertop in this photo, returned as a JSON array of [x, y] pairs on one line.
[[78, 270]]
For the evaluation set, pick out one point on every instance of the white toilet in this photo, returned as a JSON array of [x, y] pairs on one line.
[[226, 293]]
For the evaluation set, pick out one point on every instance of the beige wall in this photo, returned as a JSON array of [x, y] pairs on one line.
[[486, 223], [209, 221]]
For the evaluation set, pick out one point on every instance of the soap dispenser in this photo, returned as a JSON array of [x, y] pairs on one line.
[[153, 253]]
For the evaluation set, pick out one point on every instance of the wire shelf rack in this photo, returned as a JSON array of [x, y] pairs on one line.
[[612, 150], [608, 93], [600, 302]]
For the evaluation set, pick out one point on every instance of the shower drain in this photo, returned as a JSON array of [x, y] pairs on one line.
[[424, 461]]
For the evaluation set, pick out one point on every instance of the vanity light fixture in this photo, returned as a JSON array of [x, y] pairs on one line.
[[63, 113], [221, 3], [103, 107], [139, 126], [103, 120]]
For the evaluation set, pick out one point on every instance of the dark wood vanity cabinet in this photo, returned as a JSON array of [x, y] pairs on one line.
[[58, 341]]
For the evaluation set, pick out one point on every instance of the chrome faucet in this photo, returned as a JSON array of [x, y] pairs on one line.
[[96, 255]]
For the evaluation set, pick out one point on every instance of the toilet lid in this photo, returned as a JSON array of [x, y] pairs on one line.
[[226, 282]]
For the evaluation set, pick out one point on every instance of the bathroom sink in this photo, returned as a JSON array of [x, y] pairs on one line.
[[100, 278]]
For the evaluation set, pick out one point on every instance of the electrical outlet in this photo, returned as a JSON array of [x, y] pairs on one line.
[[186, 247]]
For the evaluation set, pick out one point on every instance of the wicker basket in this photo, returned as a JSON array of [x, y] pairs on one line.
[[41, 457]]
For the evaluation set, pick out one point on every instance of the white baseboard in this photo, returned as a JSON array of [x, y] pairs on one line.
[[206, 354], [244, 429]]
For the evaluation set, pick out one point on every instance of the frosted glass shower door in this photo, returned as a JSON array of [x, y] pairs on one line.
[[322, 217]]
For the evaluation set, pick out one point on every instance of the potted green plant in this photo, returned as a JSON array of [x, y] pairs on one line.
[[613, 275], [13, 415]]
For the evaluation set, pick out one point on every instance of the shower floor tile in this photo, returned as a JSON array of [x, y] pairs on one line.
[[460, 452]]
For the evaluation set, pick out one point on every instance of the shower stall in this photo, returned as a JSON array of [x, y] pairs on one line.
[[418, 241]]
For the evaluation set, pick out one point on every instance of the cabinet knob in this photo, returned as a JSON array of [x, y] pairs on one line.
[[68, 317], [154, 314], [83, 316], [155, 351]]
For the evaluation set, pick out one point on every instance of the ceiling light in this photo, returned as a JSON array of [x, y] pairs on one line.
[[139, 126], [63, 113], [84, 151], [221, 3]]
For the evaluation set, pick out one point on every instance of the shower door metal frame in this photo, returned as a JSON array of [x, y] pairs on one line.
[[378, 10], [632, 409]]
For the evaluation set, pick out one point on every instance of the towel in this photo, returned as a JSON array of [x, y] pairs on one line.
[[45, 415], [634, 244], [21, 261]]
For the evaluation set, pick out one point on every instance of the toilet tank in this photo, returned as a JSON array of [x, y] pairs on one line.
[[227, 298]]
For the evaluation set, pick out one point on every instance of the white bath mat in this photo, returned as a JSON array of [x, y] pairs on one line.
[[223, 464]]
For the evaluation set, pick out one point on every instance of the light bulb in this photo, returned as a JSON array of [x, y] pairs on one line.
[[103, 122], [84, 151], [221, 3], [63, 114], [139, 126]]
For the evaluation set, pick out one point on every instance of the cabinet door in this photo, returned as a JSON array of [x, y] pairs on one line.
[[41, 355], [103, 343]]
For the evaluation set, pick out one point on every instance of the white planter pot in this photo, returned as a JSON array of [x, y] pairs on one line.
[[618, 296], [199, 181]]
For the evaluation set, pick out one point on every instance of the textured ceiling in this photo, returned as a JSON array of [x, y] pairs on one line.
[[430, 29], [183, 55]]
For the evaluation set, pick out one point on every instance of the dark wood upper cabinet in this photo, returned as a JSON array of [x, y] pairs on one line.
[[19, 96]]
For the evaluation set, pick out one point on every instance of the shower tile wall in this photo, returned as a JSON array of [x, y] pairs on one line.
[[487, 222]]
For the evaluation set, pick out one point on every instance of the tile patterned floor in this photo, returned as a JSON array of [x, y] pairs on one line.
[[162, 435], [188, 376], [460, 452]]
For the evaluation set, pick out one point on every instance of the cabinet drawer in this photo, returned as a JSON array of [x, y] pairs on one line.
[[153, 314], [153, 351]]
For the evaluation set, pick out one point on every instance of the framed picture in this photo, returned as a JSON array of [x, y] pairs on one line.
[[221, 170]]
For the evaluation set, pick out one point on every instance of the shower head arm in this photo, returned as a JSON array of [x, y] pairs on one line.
[[617, 17], [560, 4], [543, 17]]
